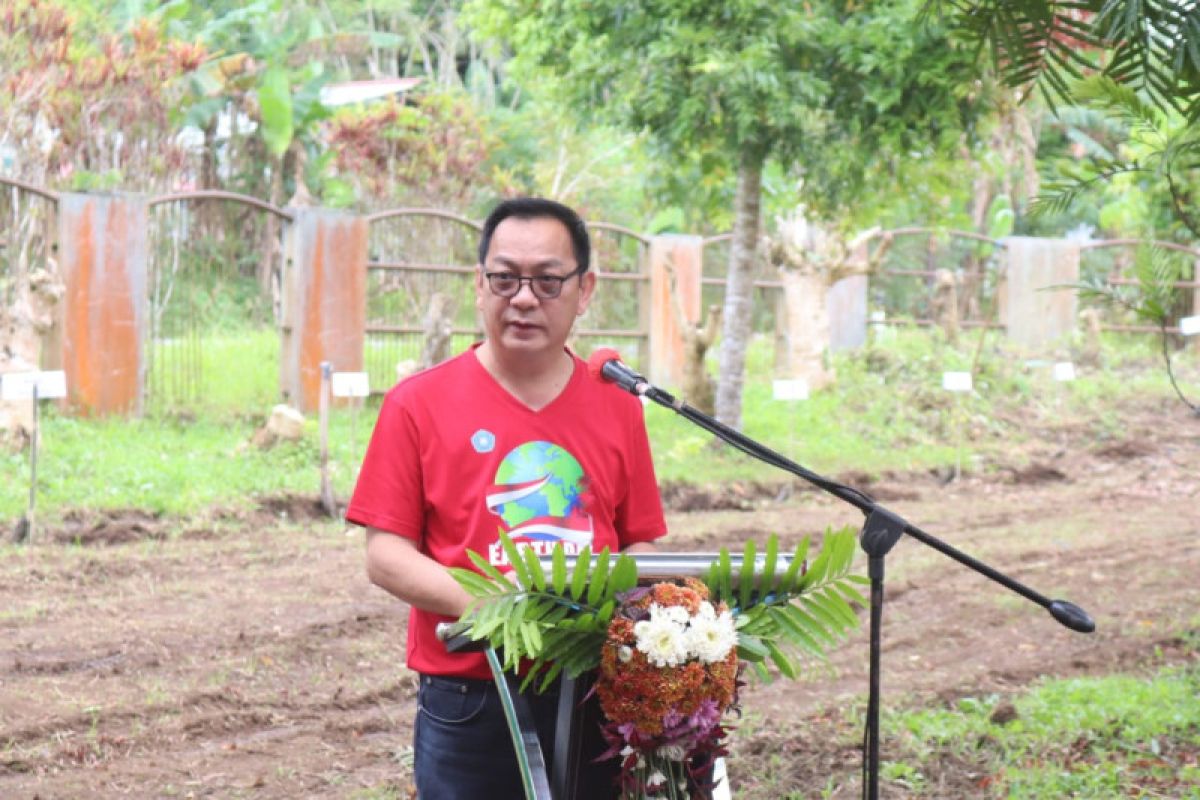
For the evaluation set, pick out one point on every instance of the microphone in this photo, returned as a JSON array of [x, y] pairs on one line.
[[605, 364]]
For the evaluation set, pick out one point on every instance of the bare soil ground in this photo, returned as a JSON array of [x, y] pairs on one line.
[[246, 655]]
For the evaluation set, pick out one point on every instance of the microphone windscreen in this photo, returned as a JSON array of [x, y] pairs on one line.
[[598, 359]]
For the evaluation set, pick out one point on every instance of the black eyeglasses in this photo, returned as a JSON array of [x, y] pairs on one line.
[[544, 287]]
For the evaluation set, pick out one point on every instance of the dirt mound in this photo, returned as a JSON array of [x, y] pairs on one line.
[[108, 527], [1123, 451], [1035, 474], [293, 507], [736, 496]]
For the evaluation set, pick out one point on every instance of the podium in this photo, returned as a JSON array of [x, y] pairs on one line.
[[577, 722]]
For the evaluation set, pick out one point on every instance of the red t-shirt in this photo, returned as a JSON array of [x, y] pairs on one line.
[[455, 459]]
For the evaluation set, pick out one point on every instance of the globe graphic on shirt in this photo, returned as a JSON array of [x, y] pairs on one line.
[[539, 493]]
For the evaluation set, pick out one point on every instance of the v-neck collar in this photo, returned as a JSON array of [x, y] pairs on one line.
[[511, 399]]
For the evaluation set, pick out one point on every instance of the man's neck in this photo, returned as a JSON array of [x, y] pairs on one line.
[[535, 383]]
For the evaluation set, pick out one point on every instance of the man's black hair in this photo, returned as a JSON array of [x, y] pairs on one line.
[[533, 208]]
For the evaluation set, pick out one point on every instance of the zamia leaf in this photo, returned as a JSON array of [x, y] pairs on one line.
[[820, 611], [549, 676], [766, 583], [583, 564], [599, 578], [780, 659], [810, 624], [724, 593], [795, 570], [624, 574], [750, 648], [520, 568], [851, 594], [535, 570], [558, 577], [838, 606], [486, 568], [475, 583], [746, 576]]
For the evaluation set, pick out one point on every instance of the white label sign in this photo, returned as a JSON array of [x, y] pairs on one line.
[[350, 384], [1189, 326], [1064, 371], [793, 389], [19, 385], [956, 381]]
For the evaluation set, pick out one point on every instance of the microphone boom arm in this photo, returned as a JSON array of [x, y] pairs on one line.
[[1066, 613]]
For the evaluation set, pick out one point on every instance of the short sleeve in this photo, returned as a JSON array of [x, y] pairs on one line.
[[388, 493], [639, 517]]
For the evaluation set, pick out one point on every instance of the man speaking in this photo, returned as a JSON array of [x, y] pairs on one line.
[[513, 435]]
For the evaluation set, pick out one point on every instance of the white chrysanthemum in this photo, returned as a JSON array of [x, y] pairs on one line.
[[656, 779], [664, 641], [676, 614], [710, 637]]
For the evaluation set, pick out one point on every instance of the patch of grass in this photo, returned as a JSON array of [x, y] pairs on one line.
[[887, 411], [233, 373], [1112, 736], [174, 465]]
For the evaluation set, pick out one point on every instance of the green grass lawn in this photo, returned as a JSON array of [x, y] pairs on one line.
[[1089, 738], [887, 411]]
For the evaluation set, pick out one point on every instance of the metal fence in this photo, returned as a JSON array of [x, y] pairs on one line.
[[416, 257], [902, 286], [1113, 261], [214, 265], [768, 289], [27, 231], [421, 258], [619, 315]]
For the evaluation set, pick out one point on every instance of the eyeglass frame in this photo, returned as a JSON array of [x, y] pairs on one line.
[[530, 279]]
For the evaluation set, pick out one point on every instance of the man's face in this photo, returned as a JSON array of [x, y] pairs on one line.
[[525, 323]]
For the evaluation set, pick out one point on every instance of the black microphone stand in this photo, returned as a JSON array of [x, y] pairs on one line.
[[881, 530]]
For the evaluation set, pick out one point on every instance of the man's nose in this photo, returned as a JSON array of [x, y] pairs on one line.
[[524, 295]]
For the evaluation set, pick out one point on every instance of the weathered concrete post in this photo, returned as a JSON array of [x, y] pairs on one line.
[[102, 259], [685, 254], [847, 299], [324, 301], [1036, 314], [1196, 297]]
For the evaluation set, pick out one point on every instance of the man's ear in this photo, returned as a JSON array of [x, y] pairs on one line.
[[587, 285]]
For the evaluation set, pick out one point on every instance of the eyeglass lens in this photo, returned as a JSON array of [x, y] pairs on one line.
[[544, 287]]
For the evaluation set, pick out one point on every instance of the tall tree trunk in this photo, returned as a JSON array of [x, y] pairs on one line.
[[739, 289]]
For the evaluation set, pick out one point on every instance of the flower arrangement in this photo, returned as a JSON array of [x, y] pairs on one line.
[[668, 672], [667, 656]]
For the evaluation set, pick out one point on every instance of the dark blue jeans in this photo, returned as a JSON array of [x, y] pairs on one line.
[[463, 750]]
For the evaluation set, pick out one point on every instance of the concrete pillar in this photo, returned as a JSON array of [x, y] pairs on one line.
[[1041, 304], [685, 254], [325, 301], [847, 301], [102, 259], [1196, 298]]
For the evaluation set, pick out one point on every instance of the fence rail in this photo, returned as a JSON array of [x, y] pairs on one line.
[[408, 257]]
